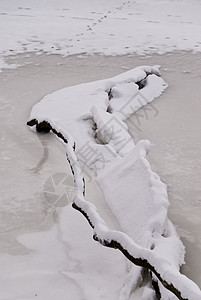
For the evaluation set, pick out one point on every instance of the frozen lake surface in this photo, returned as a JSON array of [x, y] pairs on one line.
[[172, 124]]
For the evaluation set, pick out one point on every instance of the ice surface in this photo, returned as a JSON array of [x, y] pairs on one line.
[[55, 85]]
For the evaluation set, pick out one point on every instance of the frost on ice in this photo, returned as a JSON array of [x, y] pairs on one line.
[[89, 118]]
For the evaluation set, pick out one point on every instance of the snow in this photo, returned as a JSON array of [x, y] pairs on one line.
[[167, 269], [112, 131], [107, 27], [135, 195], [95, 97], [66, 27], [135, 208]]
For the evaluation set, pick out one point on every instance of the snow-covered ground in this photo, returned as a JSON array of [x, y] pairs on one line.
[[109, 27], [66, 27]]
